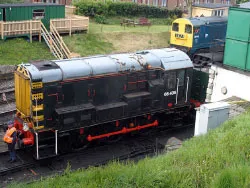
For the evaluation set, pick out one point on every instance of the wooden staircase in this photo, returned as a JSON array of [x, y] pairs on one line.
[[55, 43]]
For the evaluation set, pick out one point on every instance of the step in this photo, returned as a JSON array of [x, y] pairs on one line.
[[74, 55]]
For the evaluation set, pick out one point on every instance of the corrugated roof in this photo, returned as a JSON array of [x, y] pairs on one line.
[[211, 5], [28, 5]]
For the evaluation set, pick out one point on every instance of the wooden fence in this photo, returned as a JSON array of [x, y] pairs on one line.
[[70, 25], [30, 27], [33, 27]]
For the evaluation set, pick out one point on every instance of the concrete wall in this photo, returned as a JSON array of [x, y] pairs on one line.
[[231, 83]]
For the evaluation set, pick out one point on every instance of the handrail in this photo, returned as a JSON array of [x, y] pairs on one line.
[[177, 91], [54, 29], [51, 42], [60, 40], [187, 88]]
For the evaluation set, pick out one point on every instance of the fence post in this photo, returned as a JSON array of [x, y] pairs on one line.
[[30, 32], [70, 25], [40, 31], [2, 28]]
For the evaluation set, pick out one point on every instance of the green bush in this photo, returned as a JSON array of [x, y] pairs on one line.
[[92, 8], [11, 1], [100, 19]]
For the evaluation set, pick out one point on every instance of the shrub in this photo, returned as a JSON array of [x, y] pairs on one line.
[[92, 8], [100, 19]]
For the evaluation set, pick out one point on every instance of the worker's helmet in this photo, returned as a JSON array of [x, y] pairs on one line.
[[10, 124]]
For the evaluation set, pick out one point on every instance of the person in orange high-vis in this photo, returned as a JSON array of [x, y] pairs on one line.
[[10, 138]]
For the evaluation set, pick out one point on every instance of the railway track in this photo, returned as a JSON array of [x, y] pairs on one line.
[[129, 148], [7, 76], [7, 96], [22, 163]]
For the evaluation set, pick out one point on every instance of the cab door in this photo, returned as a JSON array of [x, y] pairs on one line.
[[170, 80], [180, 87]]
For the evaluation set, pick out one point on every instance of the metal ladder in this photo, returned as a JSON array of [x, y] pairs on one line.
[[37, 145]]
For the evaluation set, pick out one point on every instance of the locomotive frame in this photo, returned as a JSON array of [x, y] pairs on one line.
[[67, 103]]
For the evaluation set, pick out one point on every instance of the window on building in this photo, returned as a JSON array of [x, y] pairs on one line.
[[155, 2], [175, 27], [164, 3], [38, 14], [218, 12], [135, 1], [188, 28]]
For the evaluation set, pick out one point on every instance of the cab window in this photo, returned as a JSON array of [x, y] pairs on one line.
[[171, 81], [175, 27], [188, 29]]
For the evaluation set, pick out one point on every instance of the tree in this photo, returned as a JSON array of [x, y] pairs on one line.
[[189, 7], [11, 1], [241, 1]]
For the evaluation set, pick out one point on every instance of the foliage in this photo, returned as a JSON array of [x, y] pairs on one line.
[[100, 19], [92, 8], [11, 1], [218, 159], [241, 1]]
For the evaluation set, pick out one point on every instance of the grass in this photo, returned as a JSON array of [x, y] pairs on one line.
[[219, 159], [105, 39], [103, 28], [16, 51], [154, 21], [101, 39], [88, 44]]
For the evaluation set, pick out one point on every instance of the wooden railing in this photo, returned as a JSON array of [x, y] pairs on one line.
[[30, 27], [72, 24], [52, 43], [62, 46]]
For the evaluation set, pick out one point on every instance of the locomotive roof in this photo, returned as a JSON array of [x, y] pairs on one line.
[[58, 70], [197, 21]]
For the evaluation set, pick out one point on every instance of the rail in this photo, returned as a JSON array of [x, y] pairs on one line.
[[29, 27], [71, 24]]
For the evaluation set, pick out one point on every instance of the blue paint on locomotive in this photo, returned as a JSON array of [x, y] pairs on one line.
[[208, 32]]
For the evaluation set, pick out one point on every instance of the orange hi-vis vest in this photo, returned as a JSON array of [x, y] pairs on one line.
[[7, 137]]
